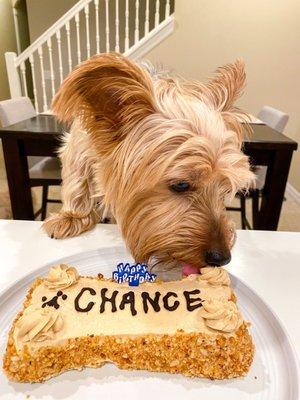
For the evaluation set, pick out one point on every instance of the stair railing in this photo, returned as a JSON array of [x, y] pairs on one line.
[[89, 27]]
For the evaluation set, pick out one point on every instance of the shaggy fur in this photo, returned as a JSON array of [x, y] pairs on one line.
[[132, 138]]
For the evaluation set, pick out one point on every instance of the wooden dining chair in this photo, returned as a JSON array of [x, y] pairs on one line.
[[274, 118], [43, 171], [277, 120]]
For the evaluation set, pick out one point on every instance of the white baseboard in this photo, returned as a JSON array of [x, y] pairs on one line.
[[157, 35], [293, 192]]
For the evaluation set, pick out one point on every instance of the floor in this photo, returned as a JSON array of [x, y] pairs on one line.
[[289, 220]]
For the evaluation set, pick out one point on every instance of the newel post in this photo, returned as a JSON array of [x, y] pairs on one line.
[[13, 75]]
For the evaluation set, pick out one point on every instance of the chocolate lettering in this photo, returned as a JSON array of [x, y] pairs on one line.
[[167, 306], [111, 300], [54, 301], [154, 302], [190, 300], [90, 304], [128, 298]]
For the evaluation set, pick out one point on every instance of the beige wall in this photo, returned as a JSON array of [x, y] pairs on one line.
[[266, 34], [7, 43], [23, 23], [43, 13]]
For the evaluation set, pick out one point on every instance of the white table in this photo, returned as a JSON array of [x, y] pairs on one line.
[[268, 261]]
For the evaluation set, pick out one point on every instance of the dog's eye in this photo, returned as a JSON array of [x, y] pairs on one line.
[[180, 186]]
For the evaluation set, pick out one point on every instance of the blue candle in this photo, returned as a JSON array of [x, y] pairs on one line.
[[133, 274]]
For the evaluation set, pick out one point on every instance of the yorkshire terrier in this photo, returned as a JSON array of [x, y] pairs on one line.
[[161, 154]]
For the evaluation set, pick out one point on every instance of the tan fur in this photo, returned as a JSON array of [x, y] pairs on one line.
[[132, 137]]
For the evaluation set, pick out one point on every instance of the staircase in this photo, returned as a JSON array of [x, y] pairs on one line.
[[131, 27]]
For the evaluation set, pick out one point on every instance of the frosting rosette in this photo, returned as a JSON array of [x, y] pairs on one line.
[[60, 277], [220, 315], [37, 325], [214, 276]]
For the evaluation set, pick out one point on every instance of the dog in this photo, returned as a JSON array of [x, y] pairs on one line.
[[160, 153]]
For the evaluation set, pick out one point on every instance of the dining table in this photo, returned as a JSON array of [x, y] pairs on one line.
[[42, 134], [264, 260]]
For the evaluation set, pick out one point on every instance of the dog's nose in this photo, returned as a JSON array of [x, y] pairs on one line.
[[217, 258]]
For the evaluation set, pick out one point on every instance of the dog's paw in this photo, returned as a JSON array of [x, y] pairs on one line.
[[66, 224]]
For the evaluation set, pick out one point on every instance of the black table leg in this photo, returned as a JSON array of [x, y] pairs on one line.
[[18, 178], [273, 193], [254, 195]]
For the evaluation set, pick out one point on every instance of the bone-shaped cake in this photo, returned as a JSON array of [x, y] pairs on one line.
[[190, 326]]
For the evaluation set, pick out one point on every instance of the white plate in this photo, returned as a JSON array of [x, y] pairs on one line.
[[274, 374]]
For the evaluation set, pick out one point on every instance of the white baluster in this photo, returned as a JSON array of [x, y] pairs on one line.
[[107, 24], [78, 37], [157, 13], [40, 52], [49, 44], [96, 2], [127, 26], [117, 47], [87, 28], [36, 104], [69, 45], [60, 67], [167, 8], [147, 18], [136, 31], [23, 74]]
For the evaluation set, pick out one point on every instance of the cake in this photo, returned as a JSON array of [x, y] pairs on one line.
[[190, 326]]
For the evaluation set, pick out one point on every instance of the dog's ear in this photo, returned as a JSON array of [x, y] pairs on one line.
[[223, 90], [227, 85], [109, 94]]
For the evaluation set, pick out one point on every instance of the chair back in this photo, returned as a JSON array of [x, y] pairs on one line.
[[276, 119], [15, 110]]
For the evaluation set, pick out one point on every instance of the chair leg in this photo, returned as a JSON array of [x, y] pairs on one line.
[[44, 202], [243, 211]]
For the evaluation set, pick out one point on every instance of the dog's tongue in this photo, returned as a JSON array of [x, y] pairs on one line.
[[188, 269]]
